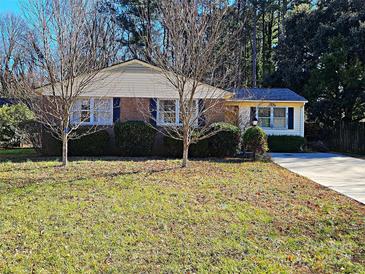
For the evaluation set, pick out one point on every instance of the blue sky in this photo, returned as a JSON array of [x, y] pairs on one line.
[[9, 6]]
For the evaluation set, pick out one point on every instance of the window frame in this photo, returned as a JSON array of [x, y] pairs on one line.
[[272, 117], [177, 112], [92, 112]]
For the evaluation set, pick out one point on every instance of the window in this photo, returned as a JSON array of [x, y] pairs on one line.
[[103, 111], [272, 117], [91, 111], [169, 112], [85, 111], [279, 118], [264, 117]]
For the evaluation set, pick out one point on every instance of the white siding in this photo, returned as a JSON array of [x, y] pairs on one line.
[[137, 80], [244, 113]]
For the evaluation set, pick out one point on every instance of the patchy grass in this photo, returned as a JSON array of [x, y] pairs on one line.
[[152, 216]]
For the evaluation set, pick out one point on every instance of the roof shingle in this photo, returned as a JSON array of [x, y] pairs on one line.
[[267, 94]]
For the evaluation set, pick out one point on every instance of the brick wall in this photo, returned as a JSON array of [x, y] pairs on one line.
[[215, 111], [132, 109]]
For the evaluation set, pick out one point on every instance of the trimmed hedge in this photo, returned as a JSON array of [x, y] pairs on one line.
[[285, 143], [222, 144], [94, 144], [255, 140], [226, 141], [134, 138]]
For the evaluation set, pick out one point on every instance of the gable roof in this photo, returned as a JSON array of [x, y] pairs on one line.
[[267, 94], [139, 79]]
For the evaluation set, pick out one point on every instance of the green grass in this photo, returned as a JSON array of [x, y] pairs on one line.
[[151, 216]]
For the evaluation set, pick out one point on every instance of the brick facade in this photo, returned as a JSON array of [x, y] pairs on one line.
[[132, 109], [215, 111]]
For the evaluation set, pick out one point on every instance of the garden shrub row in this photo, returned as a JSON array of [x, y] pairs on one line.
[[93, 144], [134, 138], [222, 144], [285, 143]]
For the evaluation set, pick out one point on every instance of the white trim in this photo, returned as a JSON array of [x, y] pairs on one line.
[[158, 118], [177, 112], [92, 112], [265, 101], [272, 117]]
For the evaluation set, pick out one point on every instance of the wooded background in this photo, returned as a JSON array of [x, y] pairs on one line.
[[316, 48]]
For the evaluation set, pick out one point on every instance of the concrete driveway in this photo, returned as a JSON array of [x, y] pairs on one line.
[[341, 173]]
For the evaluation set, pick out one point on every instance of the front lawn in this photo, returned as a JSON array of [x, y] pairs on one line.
[[151, 216]]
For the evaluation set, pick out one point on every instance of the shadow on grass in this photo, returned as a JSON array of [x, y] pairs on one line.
[[114, 158], [78, 177]]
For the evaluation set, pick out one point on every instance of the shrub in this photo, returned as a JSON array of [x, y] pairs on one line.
[[134, 138], [12, 121], [255, 140], [285, 143], [224, 143], [172, 147], [50, 145], [93, 144]]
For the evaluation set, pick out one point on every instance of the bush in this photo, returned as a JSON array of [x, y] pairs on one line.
[[285, 143], [94, 144], [50, 145], [134, 138], [255, 140], [12, 121], [226, 141], [222, 144]]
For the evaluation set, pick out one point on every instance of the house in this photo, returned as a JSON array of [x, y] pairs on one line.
[[129, 90], [279, 111]]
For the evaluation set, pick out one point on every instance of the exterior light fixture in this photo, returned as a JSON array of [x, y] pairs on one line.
[[254, 122]]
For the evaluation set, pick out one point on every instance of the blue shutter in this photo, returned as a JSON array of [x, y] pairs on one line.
[[201, 118], [252, 113], [153, 111], [290, 118], [116, 109]]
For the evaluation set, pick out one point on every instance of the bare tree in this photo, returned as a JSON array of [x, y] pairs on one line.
[[194, 65], [12, 30], [67, 46]]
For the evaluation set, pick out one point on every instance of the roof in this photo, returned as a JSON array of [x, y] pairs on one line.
[[136, 78], [267, 94], [7, 101]]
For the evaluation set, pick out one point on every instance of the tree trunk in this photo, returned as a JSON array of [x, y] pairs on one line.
[[254, 47], [185, 149], [284, 9], [64, 149]]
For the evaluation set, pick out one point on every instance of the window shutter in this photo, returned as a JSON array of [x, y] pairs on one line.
[[116, 109], [252, 113], [290, 118], [201, 118], [153, 111]]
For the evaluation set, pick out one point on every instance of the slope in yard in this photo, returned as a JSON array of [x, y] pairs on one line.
[[152, 216]]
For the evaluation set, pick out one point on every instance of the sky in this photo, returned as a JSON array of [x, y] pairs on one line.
[[7, 6]]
